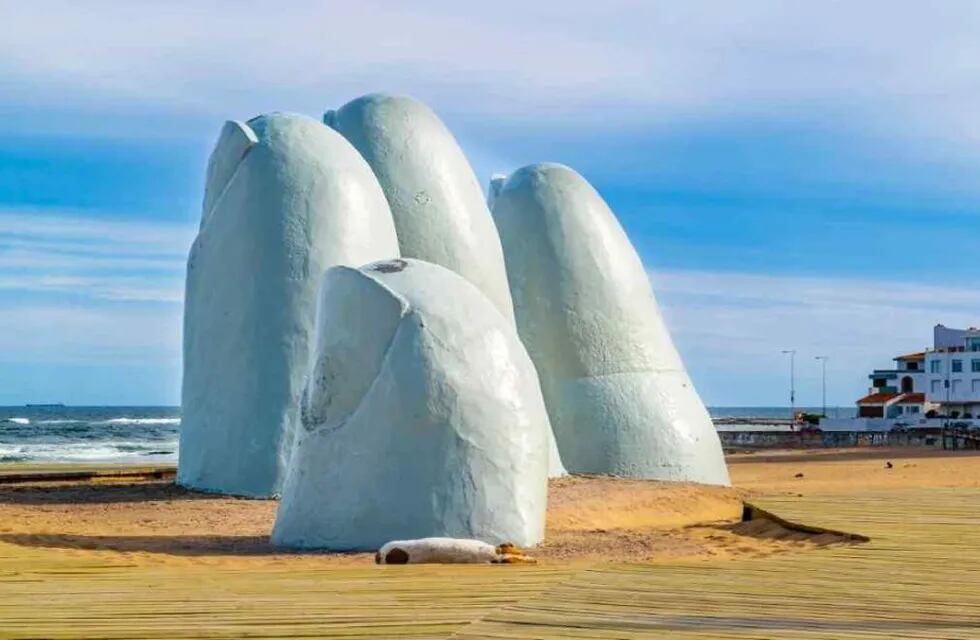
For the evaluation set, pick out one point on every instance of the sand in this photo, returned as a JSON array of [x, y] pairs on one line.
[[828, 471], [590, 518], [126, 559], [157, 522]]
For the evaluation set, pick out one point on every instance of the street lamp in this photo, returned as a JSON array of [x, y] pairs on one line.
[[792, 383], [823, 385]]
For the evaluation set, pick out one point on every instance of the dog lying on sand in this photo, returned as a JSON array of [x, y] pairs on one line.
[[449, 551]]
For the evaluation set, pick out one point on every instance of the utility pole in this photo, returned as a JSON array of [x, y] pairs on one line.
[[792, 384], [823, 384]]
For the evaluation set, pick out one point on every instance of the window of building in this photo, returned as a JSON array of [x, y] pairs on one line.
[[912, 366], [935, 386], [976, 386], [915, 408], [975, 365], [957, 386], [957, 366], [935, 366]]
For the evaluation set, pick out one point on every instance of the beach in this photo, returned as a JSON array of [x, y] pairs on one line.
[[590, 518], [139, 537]]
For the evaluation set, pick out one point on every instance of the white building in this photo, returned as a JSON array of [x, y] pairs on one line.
[[897, 392], [952, 369], [928, 388]]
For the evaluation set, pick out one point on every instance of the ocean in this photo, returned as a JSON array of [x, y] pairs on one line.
[[149, 434], [89, 434]]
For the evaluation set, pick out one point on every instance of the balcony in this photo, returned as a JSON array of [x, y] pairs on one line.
[[887, 374]]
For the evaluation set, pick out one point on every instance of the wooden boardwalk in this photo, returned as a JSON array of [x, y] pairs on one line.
[[918, 577], [70, 598]]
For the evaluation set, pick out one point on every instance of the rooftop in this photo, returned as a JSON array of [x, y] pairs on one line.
[[878, 398], [913, 398], [918, 356]]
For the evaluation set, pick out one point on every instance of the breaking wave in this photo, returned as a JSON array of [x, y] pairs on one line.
[[89, 434], [143, 421]]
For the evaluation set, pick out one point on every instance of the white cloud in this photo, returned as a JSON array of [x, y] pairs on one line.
[[872, 63], [42, 256], [732, 327], [89, 334], [92, 258], [70, 231], [87, 304], [97, 301], [110, 287]]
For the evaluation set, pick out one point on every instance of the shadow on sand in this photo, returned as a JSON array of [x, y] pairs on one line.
[[172, 545], [101, 493], [177, 545]]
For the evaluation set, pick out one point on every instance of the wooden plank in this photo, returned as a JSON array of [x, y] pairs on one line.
[[916, 578]]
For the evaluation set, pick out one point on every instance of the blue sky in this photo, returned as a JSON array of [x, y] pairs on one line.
[[793, 176]]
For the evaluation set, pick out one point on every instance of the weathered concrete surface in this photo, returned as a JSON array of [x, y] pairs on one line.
[[617, 393], [423, 417], [286, 198], [435, 197]]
